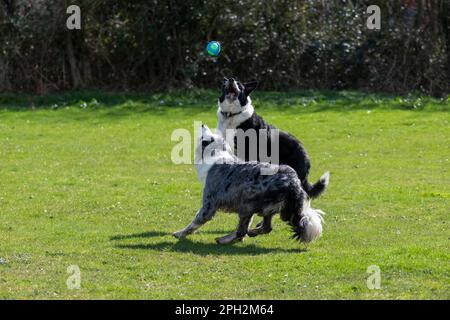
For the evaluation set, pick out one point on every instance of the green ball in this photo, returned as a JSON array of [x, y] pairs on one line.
[[213, 48]]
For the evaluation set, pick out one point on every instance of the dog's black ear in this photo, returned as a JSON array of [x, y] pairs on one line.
[[250, 86]]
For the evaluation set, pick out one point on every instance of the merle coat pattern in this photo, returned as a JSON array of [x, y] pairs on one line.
[[233, 185]]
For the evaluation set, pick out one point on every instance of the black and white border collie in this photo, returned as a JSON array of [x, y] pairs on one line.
[[233, 185], [236, 112]]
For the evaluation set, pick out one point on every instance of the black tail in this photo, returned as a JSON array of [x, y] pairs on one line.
[[315, 190]]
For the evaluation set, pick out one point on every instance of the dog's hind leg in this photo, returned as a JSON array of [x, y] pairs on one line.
[[203, 215], [263, 227], [239, 234]]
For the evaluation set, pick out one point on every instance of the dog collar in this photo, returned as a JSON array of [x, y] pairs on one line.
[[230, 114]]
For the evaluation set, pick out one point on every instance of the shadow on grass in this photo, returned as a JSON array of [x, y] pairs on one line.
[[199, 248], [152, 234], [196, 101], [131, 102], [203, 249]]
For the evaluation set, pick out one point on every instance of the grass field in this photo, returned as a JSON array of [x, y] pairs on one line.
[[86, 179]]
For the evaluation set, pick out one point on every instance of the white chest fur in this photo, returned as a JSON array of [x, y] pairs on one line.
[[232, 122]]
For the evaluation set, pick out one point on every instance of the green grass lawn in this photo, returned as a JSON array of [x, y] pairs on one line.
[[86, 179]]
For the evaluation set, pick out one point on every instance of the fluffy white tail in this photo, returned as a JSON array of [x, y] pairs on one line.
[[311, 223]]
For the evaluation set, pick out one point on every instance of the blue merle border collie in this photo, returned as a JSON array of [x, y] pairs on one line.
[[233, 185], [237, 112]]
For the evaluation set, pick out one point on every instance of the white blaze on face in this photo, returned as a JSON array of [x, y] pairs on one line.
[[231, 102], [215, 152], [204, 134]]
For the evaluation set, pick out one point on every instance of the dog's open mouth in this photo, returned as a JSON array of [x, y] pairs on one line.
[[232, 92]]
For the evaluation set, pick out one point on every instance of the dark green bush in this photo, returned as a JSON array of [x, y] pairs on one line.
[[286, 44]]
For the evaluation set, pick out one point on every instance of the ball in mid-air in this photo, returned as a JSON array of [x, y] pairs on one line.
[[213, 48]]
